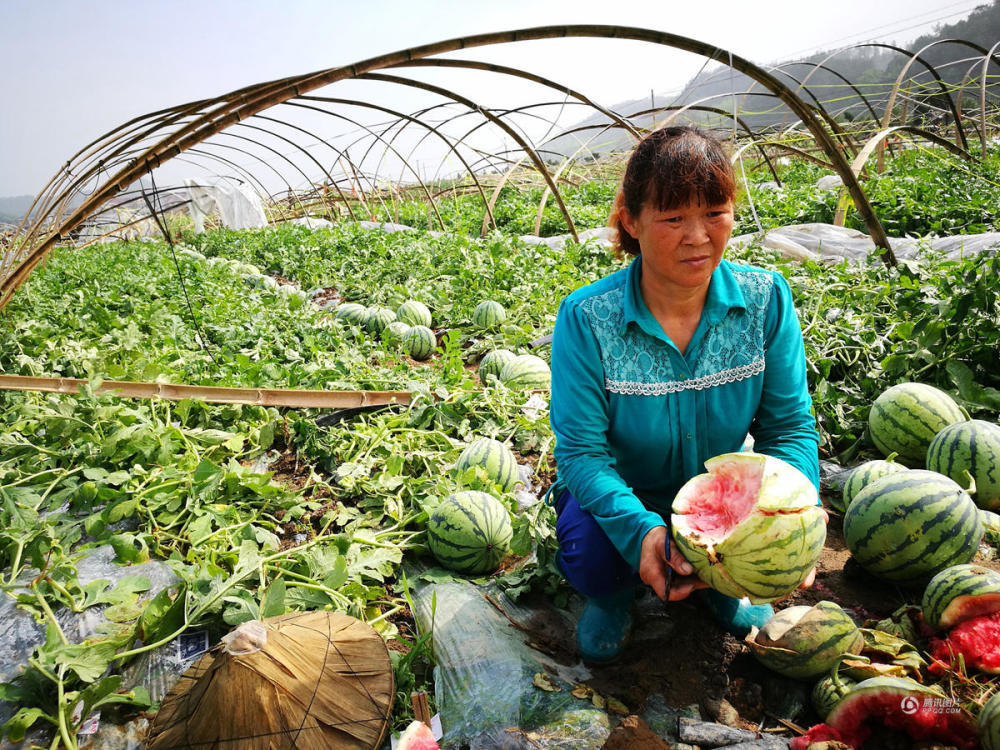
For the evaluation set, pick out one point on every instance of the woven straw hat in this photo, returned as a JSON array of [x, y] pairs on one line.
[[304, 680]]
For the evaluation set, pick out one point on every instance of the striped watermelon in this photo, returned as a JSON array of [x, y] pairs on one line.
[[415, 313], [419, 342], [488, 314], [960, 593], [829, 691], [989, 724], [906, 417], [377, 318], [495, 458], [863, 475], [970, 449], [395, 332], [470, 532], [804, 642], [492, 364], [351, 312], [526, 371], [751, 526], [906, 527]]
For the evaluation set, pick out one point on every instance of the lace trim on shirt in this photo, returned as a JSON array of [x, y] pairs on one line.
[[723, 377]]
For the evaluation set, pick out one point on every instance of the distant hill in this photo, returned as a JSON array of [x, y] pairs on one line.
[[870, 68], [14, 208]]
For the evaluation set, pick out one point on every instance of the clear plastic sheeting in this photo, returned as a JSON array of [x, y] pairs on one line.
[[485, 672], [237, 206], [20, 635], [832, 244], [602, 236]]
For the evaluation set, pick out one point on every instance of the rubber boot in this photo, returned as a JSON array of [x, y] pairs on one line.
[[735, 615], [604, 626]]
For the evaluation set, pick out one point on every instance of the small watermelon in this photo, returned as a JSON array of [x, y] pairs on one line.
[[488, 315], [906, 417], [419, 342], [989, 724], [908, 526], [492, 363], [959, 593], [828, 692], [470, 532], [970, 449], [377, 318], [496, 459], [394, 333], [526, 371], [751, 526], [898, 703], [351, 312], [414, 313], [863, 475], [804, 642]]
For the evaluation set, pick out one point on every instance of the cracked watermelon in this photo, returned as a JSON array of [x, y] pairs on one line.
[[751, 526], [417, 736], [804, 642], [898, 703]]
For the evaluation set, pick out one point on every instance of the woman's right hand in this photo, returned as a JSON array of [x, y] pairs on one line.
[[654, 566]]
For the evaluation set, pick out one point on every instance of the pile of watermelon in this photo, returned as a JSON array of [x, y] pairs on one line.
[[915, 518]]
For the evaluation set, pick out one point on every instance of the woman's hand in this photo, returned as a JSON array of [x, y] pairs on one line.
[[654, 566]]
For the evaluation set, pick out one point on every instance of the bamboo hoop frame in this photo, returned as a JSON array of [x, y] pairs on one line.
[[104, 169]]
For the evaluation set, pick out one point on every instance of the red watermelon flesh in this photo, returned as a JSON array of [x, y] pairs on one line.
[[718, 502], [417, 737], [977, 640], [854, 723]]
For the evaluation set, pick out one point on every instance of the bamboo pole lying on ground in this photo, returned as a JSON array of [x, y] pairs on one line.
[[216, 394]]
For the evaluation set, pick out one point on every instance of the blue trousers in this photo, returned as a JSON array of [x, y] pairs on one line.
[[587, 558]]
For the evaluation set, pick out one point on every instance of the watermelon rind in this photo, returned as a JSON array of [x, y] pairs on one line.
[[526, 371], [970, 450], [861, 476], [959, 593], [419, 342], [495, 458], [804, 642], [488, 314], [772, 550], [906, 417], [906, 527], [989, 724], [493, 362], [415, 313], [470, 532]]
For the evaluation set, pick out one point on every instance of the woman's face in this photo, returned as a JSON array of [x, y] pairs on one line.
[[681, 247]]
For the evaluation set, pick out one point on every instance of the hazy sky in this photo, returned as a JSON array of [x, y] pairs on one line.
[[74, 69]]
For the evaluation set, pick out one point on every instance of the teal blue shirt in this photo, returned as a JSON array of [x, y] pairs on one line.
[[634, 418]]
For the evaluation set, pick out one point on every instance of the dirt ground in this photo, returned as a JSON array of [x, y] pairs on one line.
[[699, 664]]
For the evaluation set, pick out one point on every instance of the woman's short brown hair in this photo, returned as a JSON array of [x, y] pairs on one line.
[[672, 167]]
